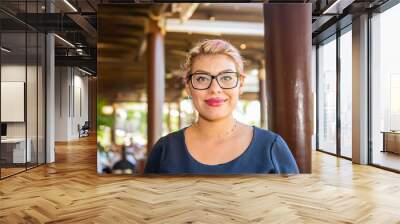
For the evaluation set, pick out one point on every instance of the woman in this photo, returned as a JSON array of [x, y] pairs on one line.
[[217, 143]]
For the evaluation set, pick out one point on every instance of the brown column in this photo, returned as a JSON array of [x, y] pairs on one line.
[[288, 67], [155, 84], [262, 95]]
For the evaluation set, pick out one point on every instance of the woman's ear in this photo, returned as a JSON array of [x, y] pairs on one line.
[[187, 88], [188, 91]]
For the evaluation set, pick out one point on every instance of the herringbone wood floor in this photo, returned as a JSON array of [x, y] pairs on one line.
[[70, 191]]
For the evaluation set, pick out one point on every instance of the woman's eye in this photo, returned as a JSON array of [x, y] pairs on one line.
[[226, 78], [201, 79]]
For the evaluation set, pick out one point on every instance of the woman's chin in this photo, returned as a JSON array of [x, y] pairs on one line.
[[214, 115]]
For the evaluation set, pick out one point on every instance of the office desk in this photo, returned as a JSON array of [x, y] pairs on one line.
[[391, 141], [13, 150]]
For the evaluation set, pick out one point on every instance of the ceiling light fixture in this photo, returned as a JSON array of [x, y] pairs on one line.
[[70, 5], [215, 27], [5, 50], [337, 7], [84, 71], [65, 41]]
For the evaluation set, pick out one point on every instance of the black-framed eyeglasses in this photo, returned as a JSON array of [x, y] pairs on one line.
[[203, 80]]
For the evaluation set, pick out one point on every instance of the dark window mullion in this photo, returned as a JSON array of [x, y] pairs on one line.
[[26, 87], [338, 98], [369, 90], [317, 96], [37, 91]]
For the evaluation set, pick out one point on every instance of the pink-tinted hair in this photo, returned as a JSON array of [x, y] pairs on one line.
[[213, 47]]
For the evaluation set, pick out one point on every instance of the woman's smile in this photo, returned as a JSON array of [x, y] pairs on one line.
[[215, 102]]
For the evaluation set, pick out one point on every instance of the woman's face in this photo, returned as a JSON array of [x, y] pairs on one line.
[[215, 102]]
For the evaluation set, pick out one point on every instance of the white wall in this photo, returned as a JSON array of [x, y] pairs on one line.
[[62, 81], [71, 102], [33, 127], [14, 73]]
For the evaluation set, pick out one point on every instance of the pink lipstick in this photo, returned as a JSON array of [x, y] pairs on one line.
[[215, 102]]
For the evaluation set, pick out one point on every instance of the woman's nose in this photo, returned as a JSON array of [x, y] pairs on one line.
[[214, 87]]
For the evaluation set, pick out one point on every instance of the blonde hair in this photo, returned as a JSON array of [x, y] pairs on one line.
[[213, 47]]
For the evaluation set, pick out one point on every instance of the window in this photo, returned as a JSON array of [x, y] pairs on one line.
[[22, 76], [385, 88], [346, 93], [327, 96]]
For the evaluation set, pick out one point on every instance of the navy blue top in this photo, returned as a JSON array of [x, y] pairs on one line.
[[267, 153]]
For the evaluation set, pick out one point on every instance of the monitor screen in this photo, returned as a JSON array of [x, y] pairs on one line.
[[3, 129]]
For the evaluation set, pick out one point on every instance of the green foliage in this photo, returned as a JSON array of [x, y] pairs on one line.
[[103, 119], [143, 123]]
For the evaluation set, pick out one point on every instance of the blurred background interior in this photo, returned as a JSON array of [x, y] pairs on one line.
[[124, 46]]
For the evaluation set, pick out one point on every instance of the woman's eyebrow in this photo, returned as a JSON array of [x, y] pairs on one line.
[[200, 71], [227, 70]]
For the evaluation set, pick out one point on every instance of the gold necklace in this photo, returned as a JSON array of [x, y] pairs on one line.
[[228, 133]]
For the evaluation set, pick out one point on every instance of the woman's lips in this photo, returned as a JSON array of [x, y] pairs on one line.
[[215, 102]]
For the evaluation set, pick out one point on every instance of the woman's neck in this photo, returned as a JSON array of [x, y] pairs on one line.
[[217, 129]]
